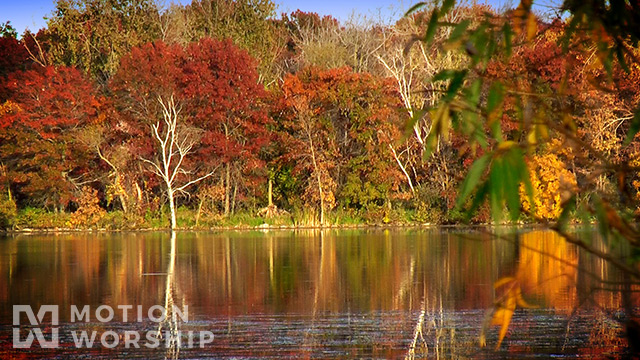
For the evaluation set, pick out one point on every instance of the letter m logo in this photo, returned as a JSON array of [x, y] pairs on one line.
[[34, 330]]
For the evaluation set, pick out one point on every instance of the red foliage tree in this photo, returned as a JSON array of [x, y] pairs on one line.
[[225, 99], [13, 55], [216, 87], [44, 161]]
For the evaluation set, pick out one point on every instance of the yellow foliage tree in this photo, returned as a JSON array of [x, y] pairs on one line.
[[550, 179], [9, 107]]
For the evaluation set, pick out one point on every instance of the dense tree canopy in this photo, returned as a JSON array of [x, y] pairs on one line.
[[40, 124], [381, 120]]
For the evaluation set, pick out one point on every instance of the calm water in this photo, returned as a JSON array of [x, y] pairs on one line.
[[312, 294]]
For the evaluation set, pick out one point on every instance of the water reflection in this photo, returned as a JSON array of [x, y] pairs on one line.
[[348, 293], [171, 322]]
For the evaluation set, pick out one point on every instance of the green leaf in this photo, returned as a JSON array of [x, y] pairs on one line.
[[565, 216], [440, 125], [479, 42], [472, 179], [514, 173], [634, 127], [447, 5], [496, 94], [491, 49], [508, 38], [478, 199], [456, 83], [601, 217], [416, 8], [496, 130], [494, 109], [621, 60], [431, 28], [480, 137], [444, 75], [473, 95], [458, 31], [496, 188]]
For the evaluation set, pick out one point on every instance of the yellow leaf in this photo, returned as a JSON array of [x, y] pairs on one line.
[[506, 145], [503, 315], [505, 306], [503, 281], [523, 304], [531, 137]]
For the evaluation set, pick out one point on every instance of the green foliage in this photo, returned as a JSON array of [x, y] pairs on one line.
[[92, 35], [8, 212], [38, 218], [119, 220], [429, 205], [242, 220], [8, 31], [360, 190], [345, 217], [247, 23]]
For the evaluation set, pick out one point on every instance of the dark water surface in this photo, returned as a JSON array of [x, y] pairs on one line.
[[311, 294]]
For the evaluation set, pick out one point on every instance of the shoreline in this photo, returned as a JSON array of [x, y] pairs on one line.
[[267, 227]]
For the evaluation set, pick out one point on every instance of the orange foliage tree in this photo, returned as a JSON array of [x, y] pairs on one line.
[[338, 126]]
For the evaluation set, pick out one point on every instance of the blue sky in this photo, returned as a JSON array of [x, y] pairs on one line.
[[29, 13]]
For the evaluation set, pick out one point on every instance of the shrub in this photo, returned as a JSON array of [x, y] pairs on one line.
[[8, 212]]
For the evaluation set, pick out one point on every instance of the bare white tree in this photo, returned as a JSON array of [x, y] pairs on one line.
[[175, 142], [411, 67]]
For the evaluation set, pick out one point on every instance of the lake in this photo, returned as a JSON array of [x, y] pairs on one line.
[[374, 293]]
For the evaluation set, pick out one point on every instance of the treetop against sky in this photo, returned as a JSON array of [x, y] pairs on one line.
[[30, 14]]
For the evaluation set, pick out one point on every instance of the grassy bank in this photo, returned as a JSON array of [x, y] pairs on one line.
[[41, 219]]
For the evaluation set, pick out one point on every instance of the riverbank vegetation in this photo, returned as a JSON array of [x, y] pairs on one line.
[[126, 114]]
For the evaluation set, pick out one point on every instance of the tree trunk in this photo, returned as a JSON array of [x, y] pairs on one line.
[[404, 170], [318, 178], [270, 192], [233, 200], [138, 196], [199, 210], [227, 190], [121, 194], [172, 206]]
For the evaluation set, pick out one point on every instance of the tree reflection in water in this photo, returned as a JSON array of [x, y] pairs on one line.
[[332, 293], [168, 329]]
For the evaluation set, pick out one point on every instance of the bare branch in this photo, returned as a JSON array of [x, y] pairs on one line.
[[181, 188]]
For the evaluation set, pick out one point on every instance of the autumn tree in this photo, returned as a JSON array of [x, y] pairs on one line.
[[92, 35], [49, 106], [247, 23], [146, 89], [13, 55], [339, 125], [203, 100], [225, 98], [411, 67], [328, 44]]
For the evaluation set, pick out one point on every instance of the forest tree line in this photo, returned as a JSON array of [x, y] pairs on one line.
[[224, 107]]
